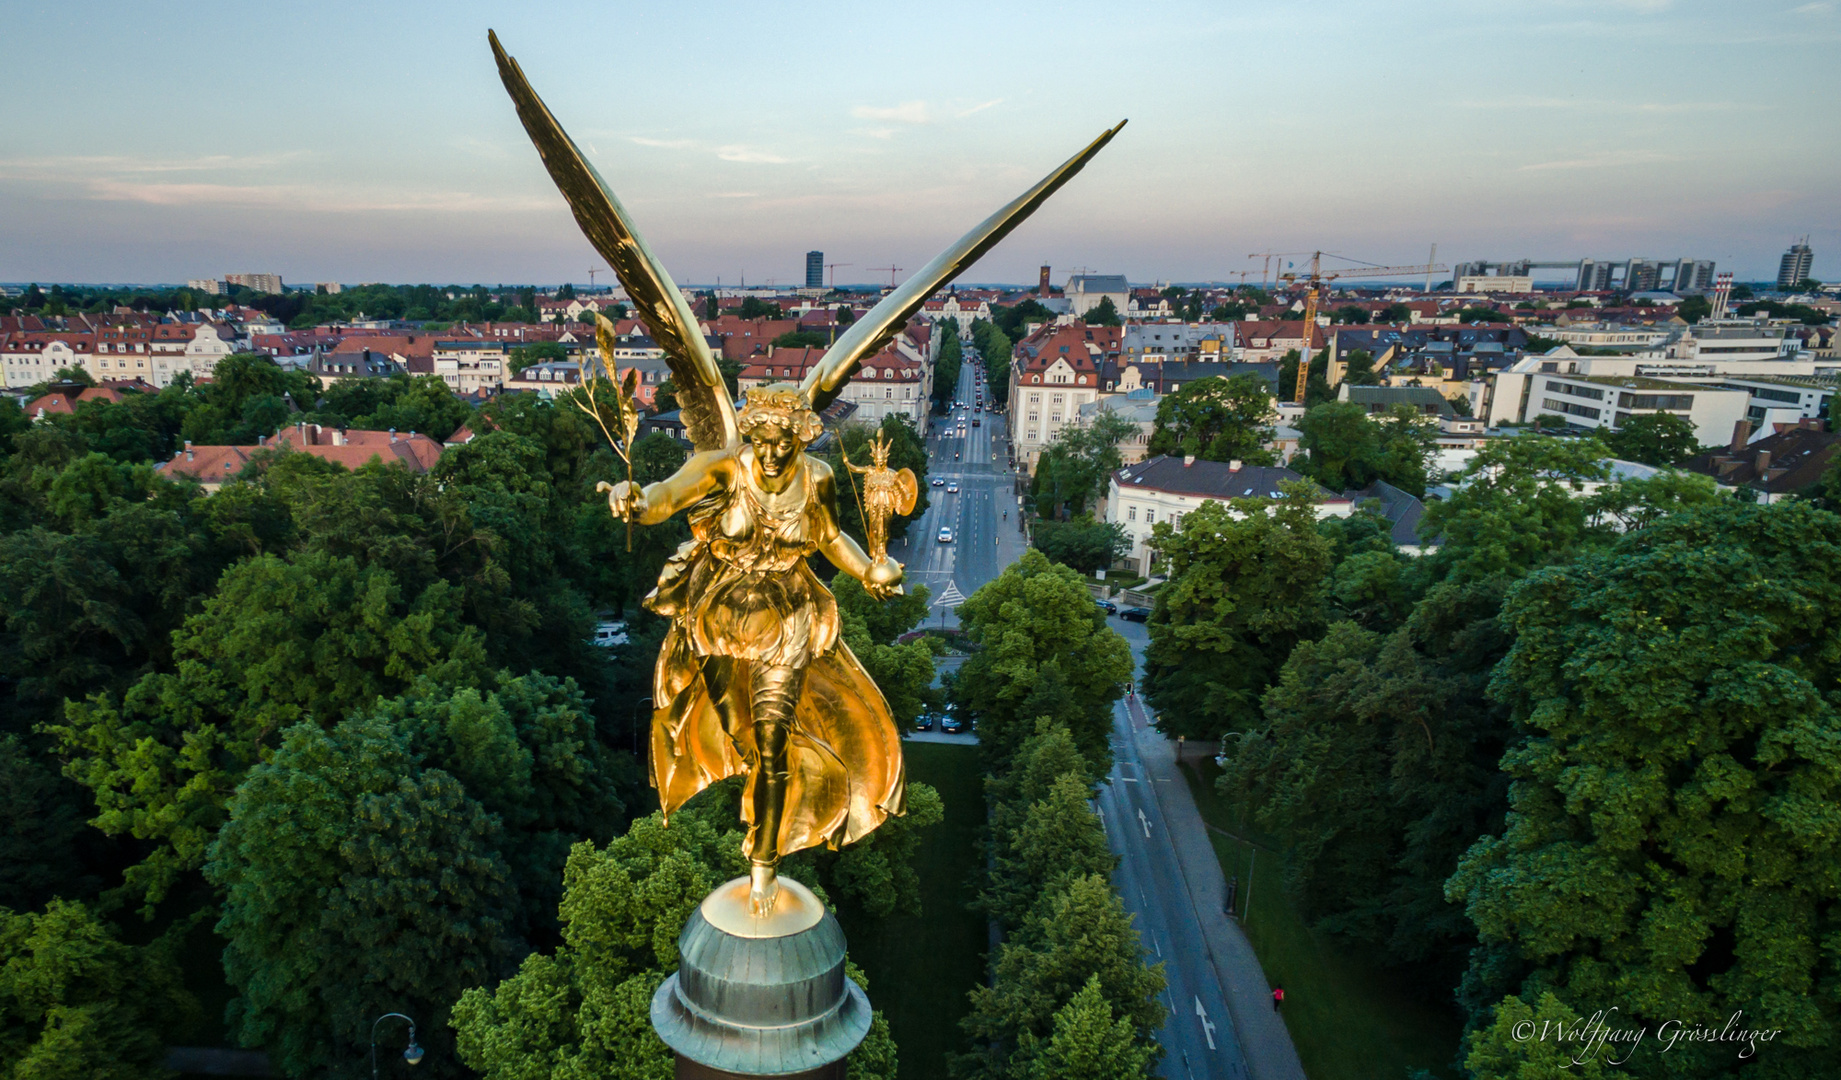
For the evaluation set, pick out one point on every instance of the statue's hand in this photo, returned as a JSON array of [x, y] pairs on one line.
[[883, 579], [626, 499]]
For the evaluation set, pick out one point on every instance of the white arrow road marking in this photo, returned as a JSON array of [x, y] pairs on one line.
[[1208, 1029], [1147, 825]]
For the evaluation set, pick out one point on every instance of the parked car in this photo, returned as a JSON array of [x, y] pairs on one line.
[[610, 635], [952, 489], [1107, 606], [945, 534], [951, 725], [924, 722], [1136, 614]]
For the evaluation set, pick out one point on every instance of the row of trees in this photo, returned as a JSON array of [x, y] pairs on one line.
[[946, 367], [352, 719], [1617, 693], [1070, 993]]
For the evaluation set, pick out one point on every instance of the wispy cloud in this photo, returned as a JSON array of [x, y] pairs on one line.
[[737, 194], [664, 144], [1821, 7], [979, 108], [874, 132], [911, 112], [750, 155], [107, 163], [1607, 160]]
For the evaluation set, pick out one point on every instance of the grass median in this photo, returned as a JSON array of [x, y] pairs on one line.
[[920, 968], [1349, 1019]]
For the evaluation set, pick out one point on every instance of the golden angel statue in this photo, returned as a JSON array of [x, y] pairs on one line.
[[885, 494], [753, 678]]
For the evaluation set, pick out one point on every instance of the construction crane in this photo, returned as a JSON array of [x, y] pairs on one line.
[[833, 268], [891, 270], [1266, 267], [1316, 279], [592, 271]]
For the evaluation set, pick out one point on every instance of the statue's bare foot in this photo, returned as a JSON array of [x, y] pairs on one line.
[[763, 889]]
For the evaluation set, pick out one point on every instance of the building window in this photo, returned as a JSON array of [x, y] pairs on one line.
[[1570, 408], [1131, 513], [1150, 516], [1682, 402], [1587, 392], [1054, 418]]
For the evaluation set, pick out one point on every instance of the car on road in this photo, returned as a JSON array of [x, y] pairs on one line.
[[610, 635], [945, 534], [951, 725], [952, 489], [1107, 606], [937, 482], [980, 423], [1136, 614], [924, 722]]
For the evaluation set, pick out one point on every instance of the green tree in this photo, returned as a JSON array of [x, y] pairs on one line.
[[280, 641], [1350, 314], [1670, 852], [794, 339], [583, 1010], [520, 357], [1076, 466], [1346, 448], [1694, 309], [357, 880], [1043, 650], [1084, 544], [1654, 439], [1524, 1043], [1054, 841], [42, 832], [1246, 583], [1076, 935], [1105, 313], [1092, 1042], [1217, 419], [1517, 506], [77, 1002]]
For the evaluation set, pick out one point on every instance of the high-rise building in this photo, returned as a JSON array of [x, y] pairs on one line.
[[208, 286], [814, 269], [263, 283], [1795, 265]]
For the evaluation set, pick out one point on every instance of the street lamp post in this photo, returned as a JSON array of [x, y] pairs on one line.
[[411, 1053]]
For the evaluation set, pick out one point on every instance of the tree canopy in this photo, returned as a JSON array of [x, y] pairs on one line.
[[1217, 419]]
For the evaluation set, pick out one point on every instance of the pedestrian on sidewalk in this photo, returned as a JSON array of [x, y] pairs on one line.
[[1278, 997], [1233, 886]]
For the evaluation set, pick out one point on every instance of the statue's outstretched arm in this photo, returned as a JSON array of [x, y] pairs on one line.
[[697, 479]]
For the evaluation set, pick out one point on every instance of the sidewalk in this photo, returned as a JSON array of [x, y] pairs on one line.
[[1263, 1036]]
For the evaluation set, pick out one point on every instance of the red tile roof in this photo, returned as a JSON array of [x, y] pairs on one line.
[[350, 448]]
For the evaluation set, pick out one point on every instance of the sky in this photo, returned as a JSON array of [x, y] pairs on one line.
[[352, 142]]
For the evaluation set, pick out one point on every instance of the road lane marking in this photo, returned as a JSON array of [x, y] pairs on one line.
[[1142, 820], [1208, 1029]]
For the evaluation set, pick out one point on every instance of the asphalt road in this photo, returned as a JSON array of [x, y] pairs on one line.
[[984, 539], [1151, 877], [1199, 1040]]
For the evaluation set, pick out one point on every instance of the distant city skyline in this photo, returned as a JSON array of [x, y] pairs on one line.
[[157, 145]]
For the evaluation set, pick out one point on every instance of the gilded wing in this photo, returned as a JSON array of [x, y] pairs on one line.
[[708, 411], [870, 333]]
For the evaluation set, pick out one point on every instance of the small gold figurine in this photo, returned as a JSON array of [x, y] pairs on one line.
[[885, 494], [753, 678]]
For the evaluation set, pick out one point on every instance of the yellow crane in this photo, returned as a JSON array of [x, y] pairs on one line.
[[1316, 278]]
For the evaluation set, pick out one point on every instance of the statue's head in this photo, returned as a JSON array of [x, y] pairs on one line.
[[879, 449], [778, 420]]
